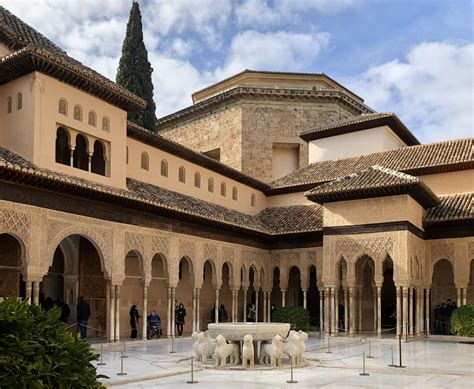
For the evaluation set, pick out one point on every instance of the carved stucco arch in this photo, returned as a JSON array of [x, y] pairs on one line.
[[141, 266], [18, 225], [23, 247], [231, 267], [103, 248], [164, 259]]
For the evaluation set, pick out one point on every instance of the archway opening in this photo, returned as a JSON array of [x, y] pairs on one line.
[[131, 294], [80, 156], [98, 159], [184, 292], [157, 290], [11, 282], [53, 282], [312, 304], [225, 294], [443, 291], [365, 267], [295, 294], [341, 302], [208, 293], [388, 296], [276, 292], [251, 295], [63, 155]]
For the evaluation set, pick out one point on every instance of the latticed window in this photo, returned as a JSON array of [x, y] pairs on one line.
[[182, 174], [9, 104], [210, 185], [197, 180], [92, 119], [105, 124], [62, 106], [78, 113], [234, 193], [223, 189], [252, 200], [19, 101], [164, 168]]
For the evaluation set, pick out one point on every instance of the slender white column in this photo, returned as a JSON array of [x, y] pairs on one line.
[[169, 314], [173, 315], [346, 311], [28, 291], [36, 289], [107, 309], [216, 311], [256, 304], [264, 319], [321, 309], [89, 163], [305, 298], [379, 311], [327, 311], [459, 295], [359, 306], [198, 310], [399, 310], [245, 305], [117, 313], [405, 310], [336, 311], [418, 313], [269, 306], [374, 296], [233, 306], [411, 298], [71, 156], [427, 310], [351, 312], [464, 297], [283, 300], [112, 313], [194, 310], [145, 311]]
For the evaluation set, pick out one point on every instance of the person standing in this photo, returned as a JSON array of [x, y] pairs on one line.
[[65, 311], [223, 317], [134, 321], [180, 314], [251, 313], [83, 314]]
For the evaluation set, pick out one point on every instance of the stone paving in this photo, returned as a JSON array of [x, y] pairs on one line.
[[433, 363]]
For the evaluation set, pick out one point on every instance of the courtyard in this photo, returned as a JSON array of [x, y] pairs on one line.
[[436, 362]]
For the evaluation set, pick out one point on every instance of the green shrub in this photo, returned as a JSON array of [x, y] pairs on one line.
[[462, 321], [38, 351], [297, 317]]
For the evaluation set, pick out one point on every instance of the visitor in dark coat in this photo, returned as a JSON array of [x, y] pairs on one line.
[[83, 314], [180, 314], [134, 321]]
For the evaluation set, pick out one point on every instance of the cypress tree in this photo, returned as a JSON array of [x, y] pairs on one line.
[[134, 71]]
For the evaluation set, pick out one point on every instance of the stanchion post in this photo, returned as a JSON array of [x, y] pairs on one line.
[[172, 346], [291, 381], [192, 372], [121, 366], [370, 352], [363, 365], [400, 352], [392, 365], [123, 353], [329, 348], [101, 363]]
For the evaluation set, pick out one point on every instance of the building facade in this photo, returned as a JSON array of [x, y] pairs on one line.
[[272, 188]]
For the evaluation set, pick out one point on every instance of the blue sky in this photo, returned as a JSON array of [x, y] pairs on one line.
[[414, 57]]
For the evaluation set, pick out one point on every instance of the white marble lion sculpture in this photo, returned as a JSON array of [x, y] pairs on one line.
[[226, 350], [272, 352], [203, 346], [291, 346], [248, 352], [302, 346]]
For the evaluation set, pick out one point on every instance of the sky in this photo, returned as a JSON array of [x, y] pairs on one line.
[[411, 57]]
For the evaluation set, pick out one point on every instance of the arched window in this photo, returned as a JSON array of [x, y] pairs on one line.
[[63, 155], [9, 104], [62, 107], [126, 155], [105, 124], [98, 159], [164, 168], [223, 189], [252, 200], [92, 120], [145, 161], [234, 193], [19, 101], [81, 156], [197, 180], [78, 113], [182, 174], [210, 185]]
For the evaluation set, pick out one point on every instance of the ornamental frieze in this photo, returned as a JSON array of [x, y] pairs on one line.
[[160, 245], [16, 222], [376, 248], [187, 248], [442, 250], [134, 241]]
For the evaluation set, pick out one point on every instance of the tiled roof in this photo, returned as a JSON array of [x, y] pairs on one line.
[[34, 52], [292, 219], [155, 140], [362, 122], [456, 207], [416, 160], [373, 182]]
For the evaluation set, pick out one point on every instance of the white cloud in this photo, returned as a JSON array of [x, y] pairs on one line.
[[431, 90]]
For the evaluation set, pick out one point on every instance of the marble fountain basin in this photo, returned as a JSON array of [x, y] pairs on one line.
[[259, 331]]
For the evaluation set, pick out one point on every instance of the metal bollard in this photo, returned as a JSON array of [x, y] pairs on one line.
[[121, 366], [291, 381], [400, 352], [370, 354], [101, 363], [363, 365], [392, 364], [192, 373], [123, 353], [329, 348], [172, 346]]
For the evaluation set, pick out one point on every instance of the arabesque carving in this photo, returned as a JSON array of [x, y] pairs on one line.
[[16, 222]]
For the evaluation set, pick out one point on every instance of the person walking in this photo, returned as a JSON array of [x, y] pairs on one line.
[[83, 314], [180, 314], [134, 321], [223, 317]]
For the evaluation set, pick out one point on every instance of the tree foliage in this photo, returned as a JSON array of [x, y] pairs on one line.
[[38, 350], [297, 317], [462, 321], [134, 71]]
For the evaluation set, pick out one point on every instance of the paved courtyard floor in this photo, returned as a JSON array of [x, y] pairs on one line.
[[433, 363]]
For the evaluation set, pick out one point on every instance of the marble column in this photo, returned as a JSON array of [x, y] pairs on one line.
[[89, 162], [351, 312], [216, 310], [418, 327], [405, 310], [145, 311], [327, 310], [264, 307], [375, 321], [379, 311], [245, 305], [427, 310], [107, 309], [28, 291], [399, 310], [169, 314], [283, 300], [71, 156], [112, 313], [233, 307], [411, 298], [117, 313], [346, 311], [257, 292], [305, 298], [359, 309], [173, 315], [269, 306], [36, 289], [198, 310], [321, 309], [336, 311], [464, 296], [459, 296], [194, 310]]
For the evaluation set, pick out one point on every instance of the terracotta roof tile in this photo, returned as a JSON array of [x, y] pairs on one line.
[[292, 219], [455, 207]]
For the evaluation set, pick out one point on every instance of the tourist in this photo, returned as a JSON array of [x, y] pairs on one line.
[[83, 314], [154, 325], [272, 311], [251, 313], [180, 315], [48, 304], [134, 321], [223, 314], [65, 311]]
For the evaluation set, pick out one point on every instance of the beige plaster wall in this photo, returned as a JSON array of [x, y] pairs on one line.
[[450, 183], [374, 210], [288, 199], [355, 143], [285, 160]]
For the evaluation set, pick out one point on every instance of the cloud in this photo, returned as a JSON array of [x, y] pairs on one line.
[[431, 90]]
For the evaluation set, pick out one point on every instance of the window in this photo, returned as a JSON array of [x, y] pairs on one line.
[[223, 189], [63, 156], [164, 168], [62, 107], [78, 113], [9, 104], [92, 120], [19, 101], [252, 200], [197, 180], [81, 155], [126, 155], [98, 159], [182, 175], [145, 161], [210, 185], [105, 124], [234, 193]]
